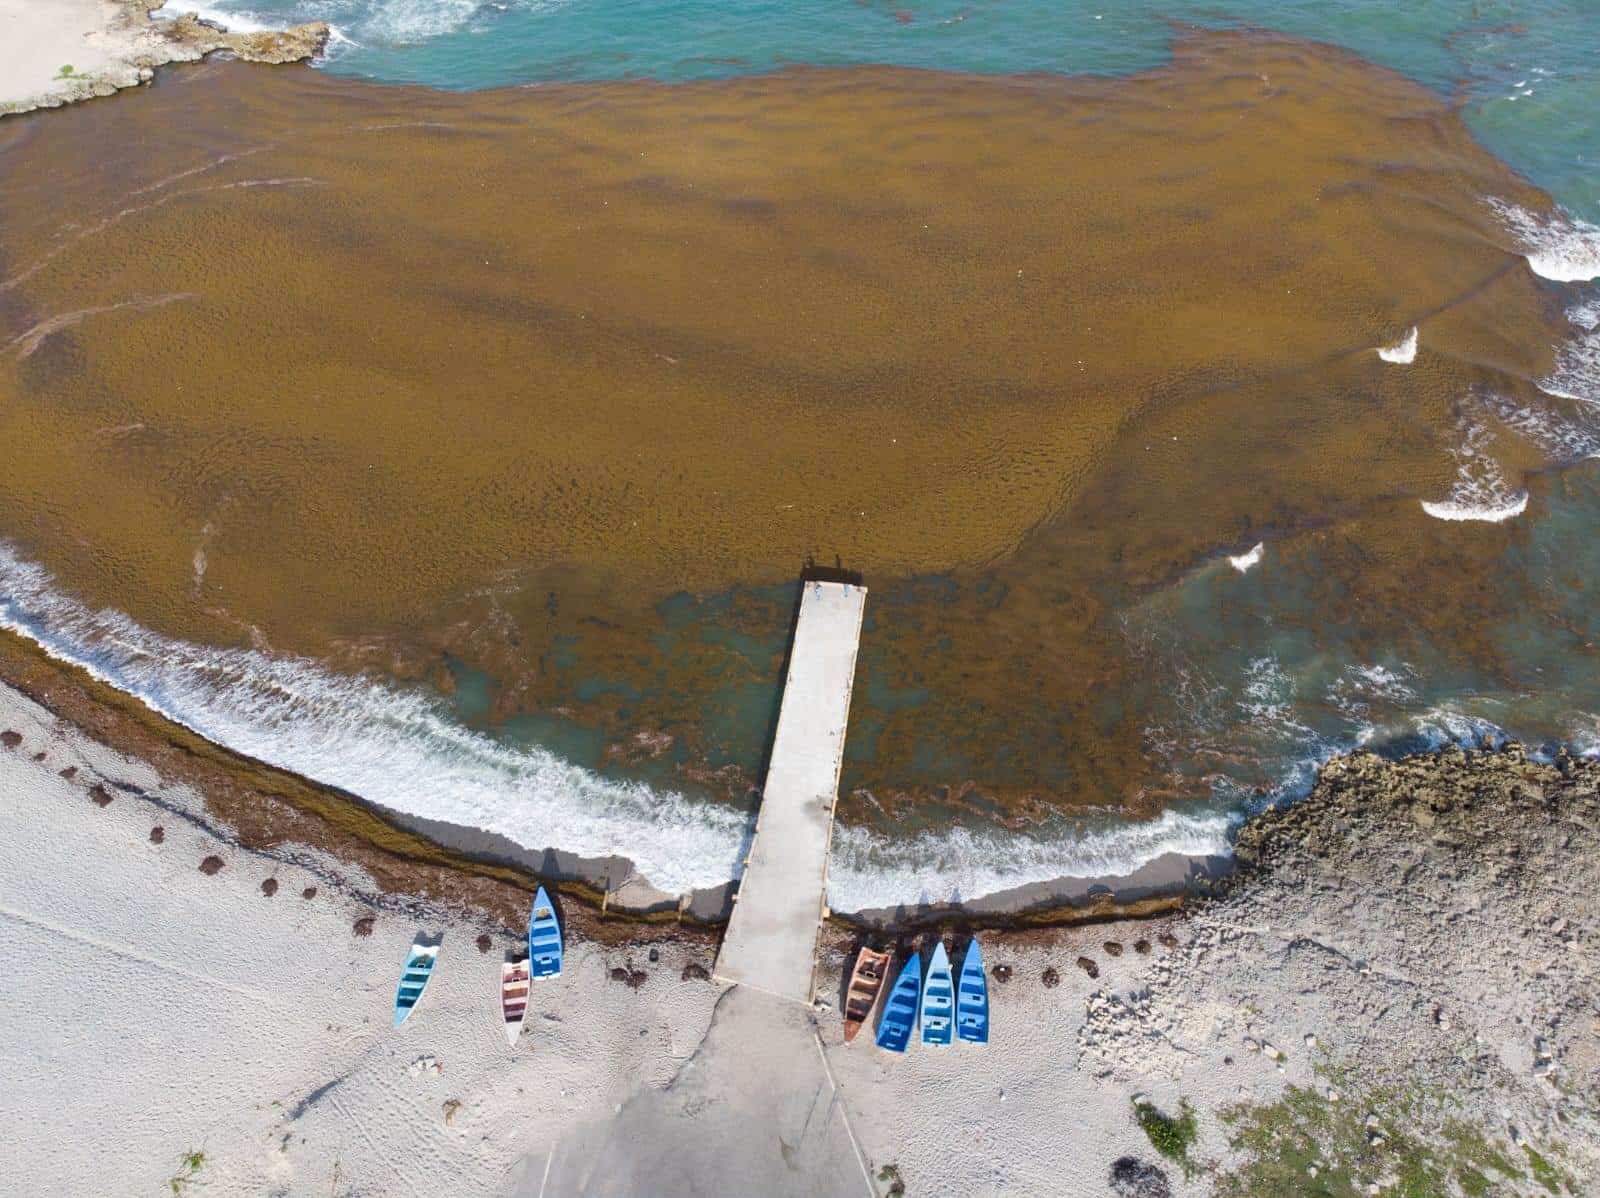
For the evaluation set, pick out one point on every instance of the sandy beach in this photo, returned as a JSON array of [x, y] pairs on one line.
[[242, 1039], [55, 52]]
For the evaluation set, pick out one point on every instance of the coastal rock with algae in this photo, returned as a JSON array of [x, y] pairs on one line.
[[117, 44]]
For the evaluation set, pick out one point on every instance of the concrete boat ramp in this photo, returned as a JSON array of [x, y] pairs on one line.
[[755, 1108], [771, 942]]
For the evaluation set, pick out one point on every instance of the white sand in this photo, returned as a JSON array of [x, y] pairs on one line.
[[39, 37], [148, 1011], [55, 52]]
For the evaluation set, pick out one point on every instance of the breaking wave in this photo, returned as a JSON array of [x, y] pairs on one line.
[[870, 872], [1480, 491], [1559, 247], [1244, 561], [1576, 374], [400, 748], [1403, 351], [395, 747]]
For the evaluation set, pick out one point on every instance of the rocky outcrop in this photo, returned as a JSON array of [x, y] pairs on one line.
[[1423, 932], [129, 46]]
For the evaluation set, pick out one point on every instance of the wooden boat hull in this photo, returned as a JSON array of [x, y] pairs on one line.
[[514, 985], [900, 1011], [544, 938], [936, 1012], [866, 987], [420, 960], [972, 998]]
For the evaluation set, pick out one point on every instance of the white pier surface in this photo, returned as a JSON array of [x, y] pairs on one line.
[[771, 942]]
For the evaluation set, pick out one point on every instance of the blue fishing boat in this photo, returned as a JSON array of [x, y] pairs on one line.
[[544, 938], [420, 961], [900, 1012], [972, 998], [938, 999]]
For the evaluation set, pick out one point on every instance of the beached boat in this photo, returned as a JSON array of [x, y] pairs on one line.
[[544, 938], [938, 999], [866, 984], [514, 997], [972, 998], [900, 1012], [420, 961]]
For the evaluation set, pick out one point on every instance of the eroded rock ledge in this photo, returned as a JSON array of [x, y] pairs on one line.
[[76, 51]]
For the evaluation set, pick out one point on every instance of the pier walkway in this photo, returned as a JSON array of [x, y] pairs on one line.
[[771, 942]]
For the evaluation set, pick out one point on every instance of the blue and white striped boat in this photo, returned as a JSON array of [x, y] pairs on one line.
[[972, 998], [420, 961], [938, 999], [544, 938], [900, 1011]]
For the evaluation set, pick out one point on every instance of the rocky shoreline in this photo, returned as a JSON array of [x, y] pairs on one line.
[[79, 50], [1399, 979]]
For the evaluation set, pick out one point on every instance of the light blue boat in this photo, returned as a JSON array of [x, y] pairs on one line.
[[900, 1011], [544, 938], [420, 961], [972, 998], [938, 999]]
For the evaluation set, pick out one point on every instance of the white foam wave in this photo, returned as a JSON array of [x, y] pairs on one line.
[[1487, 513], [1480, 491], [406, 22], [1403, 351], [869, 871], [401, 748], [1559, 247], [395, 747], [1445, 725], [1569, 436], [1576, 374], [1244, 561], [234, 20]]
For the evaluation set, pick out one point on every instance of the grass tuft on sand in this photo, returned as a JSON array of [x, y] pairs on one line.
[[1169, 1135], [188, 1171], [1309, 1145]]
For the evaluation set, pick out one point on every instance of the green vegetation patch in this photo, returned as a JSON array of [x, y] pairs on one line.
[[1168, 1135], [1306, 1144], [188, 1171]]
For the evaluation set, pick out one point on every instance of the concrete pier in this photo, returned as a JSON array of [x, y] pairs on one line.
[[771, 942]]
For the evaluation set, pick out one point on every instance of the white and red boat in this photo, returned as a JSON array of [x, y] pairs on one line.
[[514, 982]]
